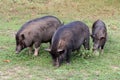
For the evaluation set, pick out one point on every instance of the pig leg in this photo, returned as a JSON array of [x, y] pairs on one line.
[[68, 56], [37, 44], [86, 44], [78, 49], [101, 49], [36, 51], [30, 49], [50, 44], [102, 46]]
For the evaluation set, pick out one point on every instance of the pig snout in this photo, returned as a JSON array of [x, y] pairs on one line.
[[57, 63], [95, 46], [18, 49]]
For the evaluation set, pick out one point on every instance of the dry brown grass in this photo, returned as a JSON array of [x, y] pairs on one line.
[[64, 9]]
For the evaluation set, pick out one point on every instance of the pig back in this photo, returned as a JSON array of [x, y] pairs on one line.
[[71, 35], [40, 28]]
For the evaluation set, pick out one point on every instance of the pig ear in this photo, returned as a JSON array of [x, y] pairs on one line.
[[59, 50], [23, 36], [48, 50]]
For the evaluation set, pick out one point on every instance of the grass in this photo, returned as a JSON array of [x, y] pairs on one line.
[[14, 13]]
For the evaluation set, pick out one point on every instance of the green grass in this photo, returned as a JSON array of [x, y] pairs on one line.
[[14, 13]]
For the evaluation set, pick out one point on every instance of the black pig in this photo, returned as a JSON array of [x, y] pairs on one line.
[[99, 35], [35, 32], [66, 39]]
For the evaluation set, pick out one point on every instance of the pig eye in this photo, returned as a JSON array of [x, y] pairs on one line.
[[22, 43]]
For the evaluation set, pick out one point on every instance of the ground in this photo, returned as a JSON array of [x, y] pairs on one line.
[[14, 13]]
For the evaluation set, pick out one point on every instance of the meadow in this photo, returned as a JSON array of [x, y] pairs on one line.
[[14, 13]]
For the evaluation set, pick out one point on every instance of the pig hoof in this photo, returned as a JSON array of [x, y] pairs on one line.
[[35, 55], [57, 65], [101, 52], [68, 63], [96, 53]]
